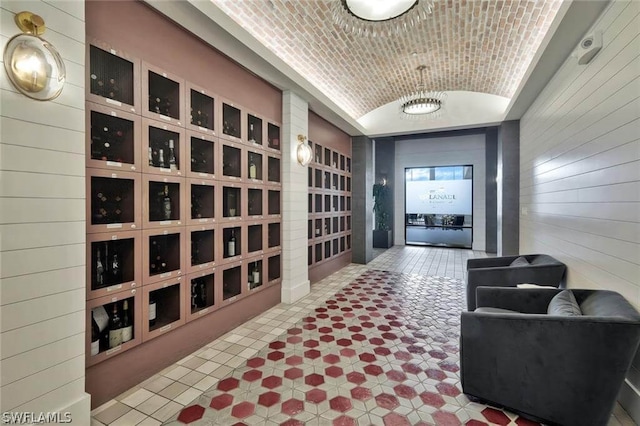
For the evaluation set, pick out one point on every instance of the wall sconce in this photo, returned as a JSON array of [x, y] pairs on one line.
[[33, 65], [303, 152]]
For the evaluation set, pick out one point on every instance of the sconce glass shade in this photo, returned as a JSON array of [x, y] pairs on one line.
[[304, 154], [34, 67]]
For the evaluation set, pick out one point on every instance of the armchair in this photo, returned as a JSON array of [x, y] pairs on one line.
[[498, 271], [561, 370]]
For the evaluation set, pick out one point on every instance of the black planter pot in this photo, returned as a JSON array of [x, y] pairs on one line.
[[382, 239]]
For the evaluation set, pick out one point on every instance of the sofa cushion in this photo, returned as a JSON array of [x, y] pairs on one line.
[[520, 261], [564, 304]]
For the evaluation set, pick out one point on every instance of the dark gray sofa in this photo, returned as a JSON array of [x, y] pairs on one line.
[[496, 271], [560, 370]]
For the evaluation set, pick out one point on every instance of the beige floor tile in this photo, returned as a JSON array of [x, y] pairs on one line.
[[111, 414], [173, 390], [133, 417], [159, 383], [152, 405], [206, 383], [137, 398], [191, 378], [177, 372], [188, 396], [167, 411], [149, 421]]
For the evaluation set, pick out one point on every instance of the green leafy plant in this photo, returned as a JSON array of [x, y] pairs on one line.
[[381, 206]]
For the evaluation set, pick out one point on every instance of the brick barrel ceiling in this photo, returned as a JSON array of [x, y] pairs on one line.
[[479, 46]]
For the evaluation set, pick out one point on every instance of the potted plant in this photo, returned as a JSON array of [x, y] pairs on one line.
[[382, 235]]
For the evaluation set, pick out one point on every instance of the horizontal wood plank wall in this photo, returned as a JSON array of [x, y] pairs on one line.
[[580, 162], [326, 134], [580, 169], [42, 223]]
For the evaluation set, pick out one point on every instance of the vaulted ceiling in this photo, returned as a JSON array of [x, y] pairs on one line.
[[483, 46]]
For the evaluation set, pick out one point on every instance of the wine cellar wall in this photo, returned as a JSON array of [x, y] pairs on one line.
[[329, 199], [183, 213]]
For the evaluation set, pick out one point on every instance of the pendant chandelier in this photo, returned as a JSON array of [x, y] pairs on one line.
[[422, 103], [380, 17]]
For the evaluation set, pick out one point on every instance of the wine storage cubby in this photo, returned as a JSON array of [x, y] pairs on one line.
[[202, 247], [164, 147], [112, 138], [329, 202], [255, 237], [113, 326], [163, 304], [232, 279], [232, 243], [231, 161], [114, 263], [255, 206], [162, 254], [273, 201], [274, 268], [231, 202], [254, 165], [273, 169], [273, 136], [202, 110], [255, 276], [273, 235], [183, 192], [201, 294], [113, 201], [202, 151], [202, 196], [163, 95], [112, 78], [164, 203], [231, 121], [254, 129]]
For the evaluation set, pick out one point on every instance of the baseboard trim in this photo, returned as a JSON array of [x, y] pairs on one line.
[[80, 410]]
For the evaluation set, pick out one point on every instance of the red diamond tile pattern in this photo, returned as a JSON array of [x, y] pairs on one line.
[[383, 350]]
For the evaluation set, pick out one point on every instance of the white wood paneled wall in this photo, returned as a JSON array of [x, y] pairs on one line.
[[580, 162], [445, 151], [42, 227], [295, 272]]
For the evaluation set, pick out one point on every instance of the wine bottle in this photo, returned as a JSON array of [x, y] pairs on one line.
[[151, 157], [99, 270], [252, 169], [152, 310], [95, 336], [256, 274], [127, 326], [173, 165], [166, 203], [203, 293], [194, 295], [231, 244], [252, 138], [115, 267], [161, 158], [115, 328]]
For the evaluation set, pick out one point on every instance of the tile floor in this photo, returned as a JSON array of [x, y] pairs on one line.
[[345, 354]]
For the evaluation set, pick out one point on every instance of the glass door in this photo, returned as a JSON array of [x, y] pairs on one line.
[[439, 206]]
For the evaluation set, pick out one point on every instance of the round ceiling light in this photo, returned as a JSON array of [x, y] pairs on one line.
[[379, 10]]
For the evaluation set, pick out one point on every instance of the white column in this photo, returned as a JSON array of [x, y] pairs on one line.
[[295, 273]]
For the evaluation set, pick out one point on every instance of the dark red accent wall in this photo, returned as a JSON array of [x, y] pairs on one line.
[[142, 32], [329, 136]]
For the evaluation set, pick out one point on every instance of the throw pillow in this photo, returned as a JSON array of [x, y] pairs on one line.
[[520, 261], [564, 304]]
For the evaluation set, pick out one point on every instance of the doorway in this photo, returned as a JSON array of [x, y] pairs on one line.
[[439, 206]]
